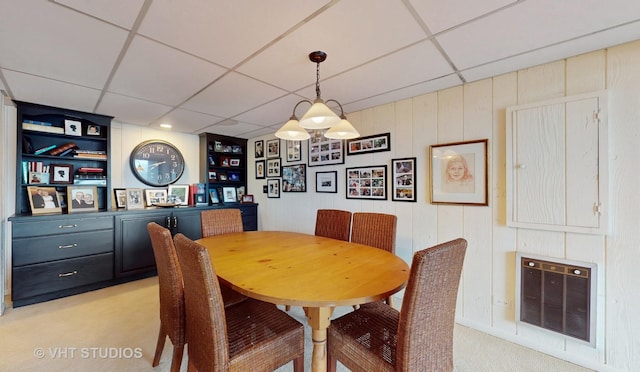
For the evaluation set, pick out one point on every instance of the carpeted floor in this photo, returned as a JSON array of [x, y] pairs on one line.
[[115, 329]]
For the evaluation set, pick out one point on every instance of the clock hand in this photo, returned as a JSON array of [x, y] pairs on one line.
[[156, 164]]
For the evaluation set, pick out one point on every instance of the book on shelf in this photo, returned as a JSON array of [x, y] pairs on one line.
[[90, 170], [42, 128], [59, 150], [89, 154], [44, 149], [38, 122], [93, 182], [96, 152], [90, 176]]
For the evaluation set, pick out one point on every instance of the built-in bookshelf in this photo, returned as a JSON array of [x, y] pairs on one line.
[[60, 148], [223, 166]]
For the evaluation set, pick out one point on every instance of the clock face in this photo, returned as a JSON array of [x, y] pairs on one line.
[[156, 163]]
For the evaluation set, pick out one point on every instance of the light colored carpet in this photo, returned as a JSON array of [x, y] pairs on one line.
[[115, 329]]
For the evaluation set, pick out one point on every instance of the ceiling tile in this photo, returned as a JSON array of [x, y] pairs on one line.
[[276, 112], [132, 110], [237, 130], [189, 121], [440, 15], [124, 14], [156, 73]]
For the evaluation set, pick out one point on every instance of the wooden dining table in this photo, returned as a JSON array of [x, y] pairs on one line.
[[316, 273]]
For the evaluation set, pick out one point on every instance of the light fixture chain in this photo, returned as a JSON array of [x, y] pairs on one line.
[[317, 79]]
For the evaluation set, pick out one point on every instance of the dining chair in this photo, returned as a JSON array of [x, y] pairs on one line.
[[375, 230], [251, 335], [333, 223], [223, 221], [171, 295], [419, 337]]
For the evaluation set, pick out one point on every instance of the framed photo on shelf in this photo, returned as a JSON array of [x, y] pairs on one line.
[[273, 148], [234, 162], [294, 178], [259, 149], [325, 151], [200, 199], [225, 161], [327, 181], [155, 196], [93, 130], [213, 196], [273, 167], [367, 182], [273, 188], [459, 173], [178, 194], [246, 198], [61, 173], [229, 195], [72, 127], [43, 200], [260, 164], [120, 197], [404, 179], [369, 144], [293, 151], [134, 199], [213, 176], [82, 199]]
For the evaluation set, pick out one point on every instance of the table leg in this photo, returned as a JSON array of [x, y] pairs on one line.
[[319, 320]]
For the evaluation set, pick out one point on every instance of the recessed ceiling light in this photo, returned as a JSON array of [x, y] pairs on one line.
[[165, 125]]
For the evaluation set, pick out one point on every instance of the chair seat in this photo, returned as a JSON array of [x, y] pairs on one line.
[[372, 348]]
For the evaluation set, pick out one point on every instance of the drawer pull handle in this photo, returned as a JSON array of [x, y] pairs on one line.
[[67, 226], [67, 274], [67, 246]]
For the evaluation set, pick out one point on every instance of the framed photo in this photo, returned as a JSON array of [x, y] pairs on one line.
[[233, 176], [213, 196], [36, 178], [234, 162], [246, 198], [225, 161], [273, 188], [120, 197], [260, 169], [213, 176], [368, 144], [200, 199], [178, 194], [43, 200], [72, 127], [229, 195], [404, 179], [459, 173], [294, 178], [155, 196], [93, 130], [293, 151], [134, 199], [61, 173], [82, 199], [259, 149], [327, 181], [367, 182], [273, 148], [273, 167], [325, 151]]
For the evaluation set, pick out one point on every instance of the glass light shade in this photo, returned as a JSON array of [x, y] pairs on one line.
[[292, 131], [344, 130], [319, 116]]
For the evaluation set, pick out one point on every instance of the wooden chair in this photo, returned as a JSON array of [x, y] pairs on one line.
[[249, 336], [333, 223], [171, 295], [417, 338], [220, 221], [375, 230]]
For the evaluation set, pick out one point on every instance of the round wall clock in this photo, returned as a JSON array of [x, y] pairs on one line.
[[156, 163]]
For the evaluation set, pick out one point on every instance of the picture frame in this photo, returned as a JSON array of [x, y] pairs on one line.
[[369, 144], [229, 195], [327, 182], [234, 176], [38, 178], [260, 166], [200, 198], [155, 196], [82, 199], [225, 161], [234, 162], [293, 151], [43, 200], [61, 174], [325, 151], [273, 148], [294, 178], [213, 196], [459, 173], [120, 197], [135, 198], [273, 167], [273, 188], [246, 199], [93, 130], [403, 175], [367, 182], [258, 149], [213, 176], [178, 194], [72, 127]]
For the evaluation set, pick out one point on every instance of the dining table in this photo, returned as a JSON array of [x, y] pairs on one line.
[[314, 272]]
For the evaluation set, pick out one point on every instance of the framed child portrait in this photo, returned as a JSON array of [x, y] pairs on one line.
[[43, 200]]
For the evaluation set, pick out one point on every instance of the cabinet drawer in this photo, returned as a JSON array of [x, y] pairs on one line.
[[56, 247], [43, 227], [50, 277]]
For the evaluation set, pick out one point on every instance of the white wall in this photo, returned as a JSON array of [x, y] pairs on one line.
[[476, 111]]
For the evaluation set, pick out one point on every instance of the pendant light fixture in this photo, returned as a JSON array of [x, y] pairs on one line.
[[319, 116]]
